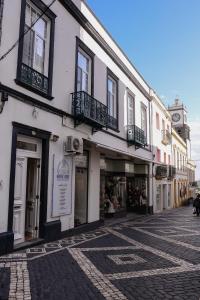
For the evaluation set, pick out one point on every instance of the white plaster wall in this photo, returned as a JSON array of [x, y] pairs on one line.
[[106, 36], [157, 133]]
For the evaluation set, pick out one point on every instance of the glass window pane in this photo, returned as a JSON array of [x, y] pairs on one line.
[[83, 62], [28, 47], [40, 28], [39, 54], [26, 146], [84, 82], [79, 79], [130, 110]]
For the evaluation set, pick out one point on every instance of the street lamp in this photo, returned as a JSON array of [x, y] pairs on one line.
[[3, 99]]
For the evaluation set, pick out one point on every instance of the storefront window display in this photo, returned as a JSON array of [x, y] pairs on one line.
[[121, 190]]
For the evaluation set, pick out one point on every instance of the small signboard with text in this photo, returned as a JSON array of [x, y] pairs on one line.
[[62, 186]]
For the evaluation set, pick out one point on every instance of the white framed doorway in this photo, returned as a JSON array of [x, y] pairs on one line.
[[26, 209]]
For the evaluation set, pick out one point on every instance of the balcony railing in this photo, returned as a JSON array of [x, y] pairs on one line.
[[172, 172], [112, 122], [161, 171], [166, 137], [87, 109], [136, 136], [34, 79]]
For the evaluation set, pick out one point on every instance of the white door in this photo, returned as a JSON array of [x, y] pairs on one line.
[[19, 199], [32, 198]]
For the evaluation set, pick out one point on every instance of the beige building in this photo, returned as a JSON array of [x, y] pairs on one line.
[[179, 158]]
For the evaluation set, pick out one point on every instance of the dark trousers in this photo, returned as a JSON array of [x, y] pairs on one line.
[[197, 210]]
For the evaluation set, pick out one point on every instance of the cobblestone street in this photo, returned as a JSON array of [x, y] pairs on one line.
[[151, 257]]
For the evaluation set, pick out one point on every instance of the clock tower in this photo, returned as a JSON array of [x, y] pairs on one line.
[[179, 119]]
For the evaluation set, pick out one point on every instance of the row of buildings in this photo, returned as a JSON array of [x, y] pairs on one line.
[[81, 130]]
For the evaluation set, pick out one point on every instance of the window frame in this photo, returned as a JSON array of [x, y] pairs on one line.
[[158, 155], [51, 16], [144, 107], [131, 95], [157, 121], [111, 75], [88, 52]]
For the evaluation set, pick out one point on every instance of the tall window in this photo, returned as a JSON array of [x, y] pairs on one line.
[[158, 154], [130, 110], [144, 119], [163, 125], [84, 72], [157, 121], [112, 97], [112, 101], [169, 159], [36, 40], [35, 52], [165, 158]]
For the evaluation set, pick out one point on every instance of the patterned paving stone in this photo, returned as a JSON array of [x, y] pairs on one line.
[[146, 261], [58, 276], [184, 286], [151, 257]]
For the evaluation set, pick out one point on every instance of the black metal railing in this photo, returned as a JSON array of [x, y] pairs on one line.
[[136, 136], [33, 78], [87, 109], [161, 171], [112, 122], [172, 172]]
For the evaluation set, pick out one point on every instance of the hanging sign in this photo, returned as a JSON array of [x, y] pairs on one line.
[[62, 186]]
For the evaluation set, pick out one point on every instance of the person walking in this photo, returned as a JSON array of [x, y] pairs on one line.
[[197, 204]]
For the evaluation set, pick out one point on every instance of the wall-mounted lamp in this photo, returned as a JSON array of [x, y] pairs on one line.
[[3, 99], [54, 138]]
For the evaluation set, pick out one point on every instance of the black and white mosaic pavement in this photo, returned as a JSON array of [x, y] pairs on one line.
[[152, 257]]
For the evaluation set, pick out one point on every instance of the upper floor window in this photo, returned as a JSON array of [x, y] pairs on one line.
[[157, 121], [165, 158], [130, 110], [169, 159], [158, 154], [36, 40], [35, 54], [112, 100], [163, 125], [144, 119], [84, 72]]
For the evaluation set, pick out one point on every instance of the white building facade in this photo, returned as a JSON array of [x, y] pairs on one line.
[[74, 123], [162, 161]]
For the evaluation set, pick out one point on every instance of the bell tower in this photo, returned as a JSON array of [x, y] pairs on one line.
[[179, 119]]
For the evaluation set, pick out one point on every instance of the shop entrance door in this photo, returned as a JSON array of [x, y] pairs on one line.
[[165, 200], [26, 210], [81, 189], [81, 196]]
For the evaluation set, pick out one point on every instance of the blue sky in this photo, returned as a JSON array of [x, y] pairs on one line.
[[162, 39]]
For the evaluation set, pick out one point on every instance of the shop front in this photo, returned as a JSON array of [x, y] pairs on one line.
[[123, 187]]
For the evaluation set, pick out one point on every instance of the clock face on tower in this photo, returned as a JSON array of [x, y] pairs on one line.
[[176, 117]]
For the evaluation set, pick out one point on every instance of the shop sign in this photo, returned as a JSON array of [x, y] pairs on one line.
[[62, 186]]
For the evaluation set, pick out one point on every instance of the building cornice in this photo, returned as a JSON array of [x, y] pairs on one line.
[[84, 22]]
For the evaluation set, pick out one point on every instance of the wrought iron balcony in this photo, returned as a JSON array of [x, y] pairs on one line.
[[166, 137], [161, 171], [112, 122], [87, 109], [34, 79], [172, 172], [136, 136]]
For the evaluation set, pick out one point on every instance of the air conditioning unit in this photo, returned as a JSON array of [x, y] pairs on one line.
[[73, 144]]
